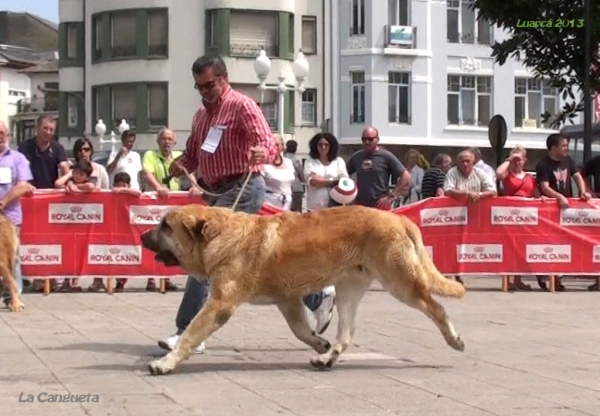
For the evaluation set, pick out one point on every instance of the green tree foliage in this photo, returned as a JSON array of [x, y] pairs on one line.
[[549, 37]]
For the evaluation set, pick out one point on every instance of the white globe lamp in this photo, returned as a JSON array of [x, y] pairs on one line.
[[100, 128], [300, 68], [262, 67], [123, 126]]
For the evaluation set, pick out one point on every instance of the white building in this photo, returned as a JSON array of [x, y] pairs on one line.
[[14, 85], [131, 59], [421, 71]]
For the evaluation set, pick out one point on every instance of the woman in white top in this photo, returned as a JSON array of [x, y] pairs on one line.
[[322, 170], [279, 178]]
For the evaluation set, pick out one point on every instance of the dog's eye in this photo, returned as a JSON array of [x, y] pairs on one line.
[[164, 226]]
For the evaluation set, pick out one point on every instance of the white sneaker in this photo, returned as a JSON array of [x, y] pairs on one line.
[[170, 342], [324, 314]]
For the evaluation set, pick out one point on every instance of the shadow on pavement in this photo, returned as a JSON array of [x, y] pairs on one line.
[[196, 367]]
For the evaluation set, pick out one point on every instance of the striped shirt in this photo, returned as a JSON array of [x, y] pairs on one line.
[[477, 181], [244, 126], [433, 179]]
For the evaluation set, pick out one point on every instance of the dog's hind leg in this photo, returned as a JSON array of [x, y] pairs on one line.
[[405, 278], [294, 312], [436, 312], [349, 293], [10, 285], [215, 313]]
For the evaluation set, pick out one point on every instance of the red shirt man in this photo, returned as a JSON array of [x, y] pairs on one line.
[[225, 131]]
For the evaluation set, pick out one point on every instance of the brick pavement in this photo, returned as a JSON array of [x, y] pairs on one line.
[[526, 354]]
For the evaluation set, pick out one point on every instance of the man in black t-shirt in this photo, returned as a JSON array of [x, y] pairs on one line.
[[554, 174], [556, 170]]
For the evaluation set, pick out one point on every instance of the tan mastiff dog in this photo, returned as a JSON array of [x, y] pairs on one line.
[[8, 255], [276, 260]]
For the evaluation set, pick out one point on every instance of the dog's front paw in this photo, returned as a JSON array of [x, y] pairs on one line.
[[322, 362], [160, 367], [16, 306]]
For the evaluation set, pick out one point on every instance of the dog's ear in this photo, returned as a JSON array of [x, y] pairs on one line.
[[200, 229]]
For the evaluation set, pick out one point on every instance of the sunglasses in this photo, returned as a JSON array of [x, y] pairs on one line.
[[85, 149], [367, 139], [207, 86]]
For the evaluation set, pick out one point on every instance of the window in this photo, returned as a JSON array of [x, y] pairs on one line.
[[533, 98], [72, 111], [98, 53], [252, 31], [124, 104], [212, 28], [158, 32], [358, 17], [358, 97], [71, 41], [123, 33], [469, 100], [399, 97], [51, 96], [309, 107], [398, 13], [158, 109], [269, 107], [464, 26], [309, 35]]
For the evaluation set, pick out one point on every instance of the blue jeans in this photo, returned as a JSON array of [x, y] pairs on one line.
[[16, 270], [196, 291]]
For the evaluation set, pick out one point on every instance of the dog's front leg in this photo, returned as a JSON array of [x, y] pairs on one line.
[[211, 317]]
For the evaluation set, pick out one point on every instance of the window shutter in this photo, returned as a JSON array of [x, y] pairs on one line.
[[251, 32]]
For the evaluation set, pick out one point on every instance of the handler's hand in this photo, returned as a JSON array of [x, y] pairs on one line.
[[258, 155], [176, 170]]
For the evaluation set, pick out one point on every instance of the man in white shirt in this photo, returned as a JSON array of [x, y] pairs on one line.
[[126, 160], [489, 171]]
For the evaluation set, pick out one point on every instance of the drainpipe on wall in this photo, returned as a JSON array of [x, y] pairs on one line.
[[85, 50]]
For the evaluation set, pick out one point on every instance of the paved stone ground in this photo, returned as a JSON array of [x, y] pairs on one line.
[[527, 354]]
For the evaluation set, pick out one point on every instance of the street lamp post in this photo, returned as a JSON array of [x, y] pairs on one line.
[[262, 67], [101, 130]]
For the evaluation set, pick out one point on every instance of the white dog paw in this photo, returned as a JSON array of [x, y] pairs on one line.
[[322, 362], [160, 367], [17, 307]]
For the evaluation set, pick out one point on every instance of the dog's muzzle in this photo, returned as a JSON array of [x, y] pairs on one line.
[[155, 241]]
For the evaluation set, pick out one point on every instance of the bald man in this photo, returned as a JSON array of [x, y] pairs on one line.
[[156, 165], [375, 169], [15, 175]]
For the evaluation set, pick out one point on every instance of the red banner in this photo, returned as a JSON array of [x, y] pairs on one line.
[[97, 235], [508, 236]]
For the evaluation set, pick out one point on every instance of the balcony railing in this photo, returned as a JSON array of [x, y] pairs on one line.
[[37, 105]]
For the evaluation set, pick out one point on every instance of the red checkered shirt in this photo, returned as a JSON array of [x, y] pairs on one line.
[[244, 126]]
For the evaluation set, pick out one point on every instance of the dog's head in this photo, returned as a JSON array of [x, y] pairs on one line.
[[182, 236]]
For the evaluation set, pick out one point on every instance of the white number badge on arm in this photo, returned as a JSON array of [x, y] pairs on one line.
[[213, 139], [5, 175]]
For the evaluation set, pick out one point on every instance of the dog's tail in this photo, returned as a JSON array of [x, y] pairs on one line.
[[439, 284]]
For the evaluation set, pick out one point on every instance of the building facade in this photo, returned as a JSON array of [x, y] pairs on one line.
[[421, 71], [132, 60], [41, 100]]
